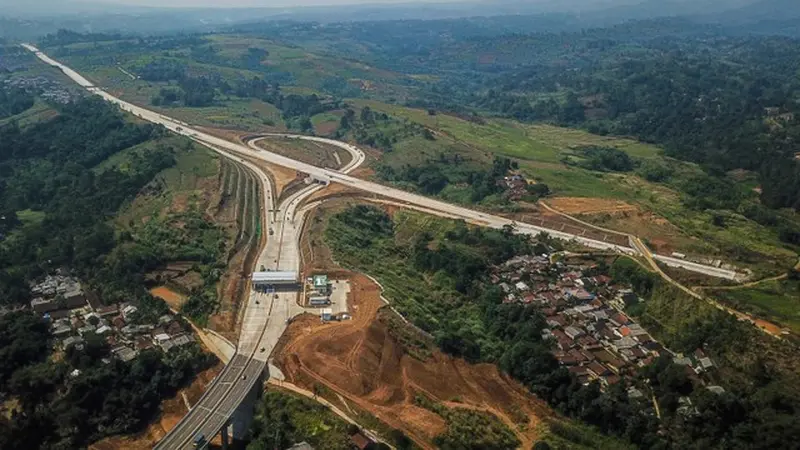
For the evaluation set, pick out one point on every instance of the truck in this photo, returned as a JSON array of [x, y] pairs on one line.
[[319, 301]]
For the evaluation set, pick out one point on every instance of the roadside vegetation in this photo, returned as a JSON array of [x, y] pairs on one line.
[[169, 222], [57, 209], [434, 272], [469, 429], [446, 142], [774, 300], [284, 419]]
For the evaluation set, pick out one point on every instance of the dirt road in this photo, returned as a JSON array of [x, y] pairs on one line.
[[360, 361]]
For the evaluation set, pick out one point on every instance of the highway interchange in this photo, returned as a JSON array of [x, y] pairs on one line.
[[467, 214], [265, 318], [266, 315]]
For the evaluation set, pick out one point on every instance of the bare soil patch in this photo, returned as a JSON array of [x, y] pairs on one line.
[[335, 190], [770, 327], [172, 298], [661, 235], [310, 152], [582, 205], [281, 176], [362, 362]]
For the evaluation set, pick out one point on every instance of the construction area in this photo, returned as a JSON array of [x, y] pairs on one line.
[[367, 371], [367, 368]]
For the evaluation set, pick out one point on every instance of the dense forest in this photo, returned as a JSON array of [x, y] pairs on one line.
[[78, 398], [47, 169], [727, 101], [14, 101], [469, 319], [56, 209]]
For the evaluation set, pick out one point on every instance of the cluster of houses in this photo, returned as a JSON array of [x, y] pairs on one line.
[[119, 326], [61, 300], [516, 186], [47, 89], [592, 335], [57, 293]]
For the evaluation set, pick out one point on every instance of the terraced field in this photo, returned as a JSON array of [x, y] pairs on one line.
[[240, 203]]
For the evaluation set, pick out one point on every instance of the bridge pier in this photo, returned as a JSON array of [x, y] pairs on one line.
[[242, 418], [225, 437]]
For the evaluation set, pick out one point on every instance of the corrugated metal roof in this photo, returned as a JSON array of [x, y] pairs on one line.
[[274, 277]]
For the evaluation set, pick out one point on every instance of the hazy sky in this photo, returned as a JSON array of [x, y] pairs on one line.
[[254, 3]]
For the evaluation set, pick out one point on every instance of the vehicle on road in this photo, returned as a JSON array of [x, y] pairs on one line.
[[199, 440]]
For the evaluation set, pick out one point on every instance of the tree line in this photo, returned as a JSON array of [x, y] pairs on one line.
[[50, 170], [73, 401], [14, 101], [469, 319]]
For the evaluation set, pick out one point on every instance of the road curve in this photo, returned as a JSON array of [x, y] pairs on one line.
[[378, 189], [265, 315]]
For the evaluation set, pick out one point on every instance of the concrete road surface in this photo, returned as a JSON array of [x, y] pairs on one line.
[[378, 189], [266, 316]]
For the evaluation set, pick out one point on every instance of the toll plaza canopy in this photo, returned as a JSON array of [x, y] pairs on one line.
[[277, 277]]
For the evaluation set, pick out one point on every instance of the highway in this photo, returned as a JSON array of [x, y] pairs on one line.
[[231, 386], [409, 198], [265, 318]]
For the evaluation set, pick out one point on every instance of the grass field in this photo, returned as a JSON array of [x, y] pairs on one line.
[[540, 149], [180, 187], [773, 300], [122, 160], [665, 219], [540, 143], [326, 123], [241, 114]]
